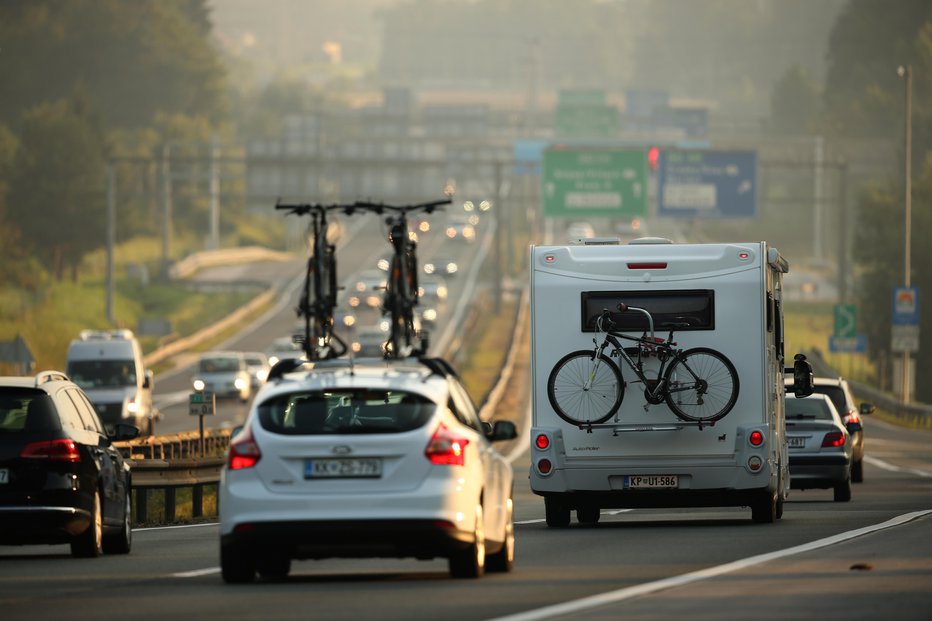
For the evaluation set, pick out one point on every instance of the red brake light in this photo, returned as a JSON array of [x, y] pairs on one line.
[[446, 448], [756, 438], [244, 452], [833, 438], [56, 450], [542, 441], [648, 266], [544, 466], [853, 417]]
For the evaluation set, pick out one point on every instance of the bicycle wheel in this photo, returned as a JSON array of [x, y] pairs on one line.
[[702, 385], [584, 389]]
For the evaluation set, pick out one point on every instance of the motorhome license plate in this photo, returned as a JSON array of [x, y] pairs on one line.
[[798, 442], [651, 481], [4, 476], [342, 468]]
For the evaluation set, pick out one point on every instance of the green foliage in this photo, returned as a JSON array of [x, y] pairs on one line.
[[794, 105], [56, 193]]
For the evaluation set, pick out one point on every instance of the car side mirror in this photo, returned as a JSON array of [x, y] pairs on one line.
[[866, 408], [148, 379], [123, 431], [503, 430], [802, 376]]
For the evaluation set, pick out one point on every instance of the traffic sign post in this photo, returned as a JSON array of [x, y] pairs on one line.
[[581, 183], [846, 321], [904, 337], [707, 184], [202, 404]]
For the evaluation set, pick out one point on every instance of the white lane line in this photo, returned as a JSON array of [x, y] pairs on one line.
[[611, 597], [612, 512], [197, 573], [892, 468], [176, 526]]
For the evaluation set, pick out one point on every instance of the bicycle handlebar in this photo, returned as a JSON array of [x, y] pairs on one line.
[[622, 308], [306, 208], [402, 209]]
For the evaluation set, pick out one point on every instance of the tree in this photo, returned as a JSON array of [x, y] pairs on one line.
[[794, 105], [56, 193]]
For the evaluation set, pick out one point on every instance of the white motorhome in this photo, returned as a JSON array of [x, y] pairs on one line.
[[108, 366], [727, 297]]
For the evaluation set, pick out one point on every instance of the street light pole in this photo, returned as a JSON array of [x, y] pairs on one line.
[[906, 72]]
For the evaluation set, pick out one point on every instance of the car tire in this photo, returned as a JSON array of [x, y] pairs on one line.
[[764, 510], [470, 561], [842, 492], [273, 566], [857, 471], [588, 514], [236, 565], [504, 559], [556, 512], [122, 541], [89, 544]]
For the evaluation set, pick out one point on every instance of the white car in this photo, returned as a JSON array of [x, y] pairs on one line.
[[258, 366], [374, 458], [223, 373]]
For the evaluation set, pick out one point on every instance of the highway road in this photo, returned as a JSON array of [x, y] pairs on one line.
[[638, 564]]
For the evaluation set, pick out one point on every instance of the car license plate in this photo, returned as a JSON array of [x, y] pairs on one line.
[[4, 476], [651, 481], [342, 468], [797, 442]]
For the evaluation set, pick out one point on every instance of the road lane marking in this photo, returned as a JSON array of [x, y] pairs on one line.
[[892, 468], [538, 521], [140, 530], [197, 573], [612, 597]]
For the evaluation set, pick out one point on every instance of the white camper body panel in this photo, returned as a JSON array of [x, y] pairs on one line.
[[744, 282]]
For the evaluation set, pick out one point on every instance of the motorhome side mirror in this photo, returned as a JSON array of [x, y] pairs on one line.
[[802, 376]]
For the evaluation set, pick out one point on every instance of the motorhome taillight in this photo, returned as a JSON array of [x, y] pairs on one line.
[[542, 441], [544, 466], [756, 438]]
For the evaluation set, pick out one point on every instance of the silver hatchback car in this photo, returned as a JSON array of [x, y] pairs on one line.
[[820, 446]]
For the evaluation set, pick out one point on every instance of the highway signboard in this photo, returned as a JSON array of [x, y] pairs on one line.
[[846, 321], [904, 336], [583, 183], [707, 184]]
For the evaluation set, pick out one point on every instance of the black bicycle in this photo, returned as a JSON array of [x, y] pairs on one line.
[[586, 387], [319, 297], [401, 290]]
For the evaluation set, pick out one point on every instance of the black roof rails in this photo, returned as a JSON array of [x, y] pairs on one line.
[[285, 365], [439, 366]]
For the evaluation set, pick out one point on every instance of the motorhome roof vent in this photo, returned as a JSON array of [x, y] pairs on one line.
[[650, 240], [595, 241]]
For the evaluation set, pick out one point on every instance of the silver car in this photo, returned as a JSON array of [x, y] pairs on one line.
[[223, 373], [820, 446]]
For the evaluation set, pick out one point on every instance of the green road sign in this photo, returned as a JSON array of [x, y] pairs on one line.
[[846, 321], [584, 183]]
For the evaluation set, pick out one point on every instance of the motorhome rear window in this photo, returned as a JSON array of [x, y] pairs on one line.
[[688, 310]]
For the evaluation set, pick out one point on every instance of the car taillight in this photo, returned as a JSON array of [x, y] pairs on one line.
[[833, 438], [853, 417], [56, 450], [244, 452], [446, 448]]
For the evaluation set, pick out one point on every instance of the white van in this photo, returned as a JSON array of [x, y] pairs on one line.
[[725, 297], [108, 365]]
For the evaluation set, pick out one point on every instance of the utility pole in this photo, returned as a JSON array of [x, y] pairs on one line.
[[166, 209], [111, 236], [907, 73], [214, 240]]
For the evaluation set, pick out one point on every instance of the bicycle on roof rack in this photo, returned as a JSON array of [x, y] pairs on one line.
[[585, 387], [401, 290], [319, 297]]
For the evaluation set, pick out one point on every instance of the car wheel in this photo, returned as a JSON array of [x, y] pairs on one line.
[[122, 542], [236, 565], [504, 559], [857, 472], [764, 511], [843, 491], [470, 562], [273, 566], [556, 512], [588, 515], [89, 544]]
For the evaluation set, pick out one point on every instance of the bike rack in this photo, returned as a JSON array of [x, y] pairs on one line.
[[618, 428]]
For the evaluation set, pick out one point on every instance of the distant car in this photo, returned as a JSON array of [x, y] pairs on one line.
[[283, 347], [820, 446], [258, 366], [460, 228], [578, 230], [369, 341], [441, 265], [387, 458], [223, 373], [838, 389], [432, 289], [368, 289], [61, 478]]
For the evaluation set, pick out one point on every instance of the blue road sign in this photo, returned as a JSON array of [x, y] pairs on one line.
[[906, 306], [707, 184], [855, 344]]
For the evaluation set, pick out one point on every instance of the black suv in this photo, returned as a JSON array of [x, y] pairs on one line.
[[61, 478]]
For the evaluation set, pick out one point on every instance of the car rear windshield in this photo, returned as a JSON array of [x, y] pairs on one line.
[[23, 410], [345, 412], [836, 394], [220, 365], [814, 409]]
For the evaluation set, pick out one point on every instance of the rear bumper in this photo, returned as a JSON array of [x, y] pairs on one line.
[[315, 539], [818, 471], [36, 525]]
